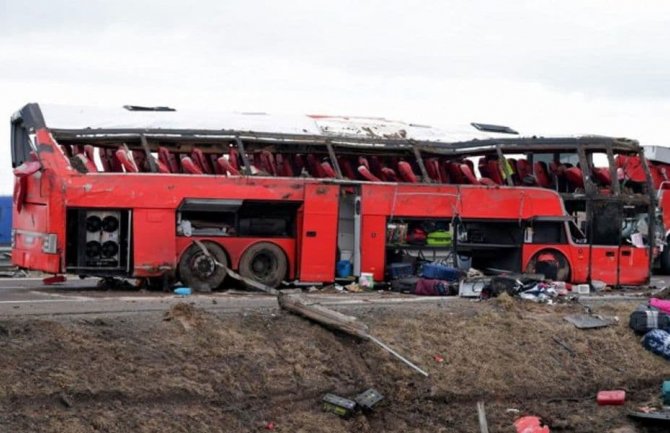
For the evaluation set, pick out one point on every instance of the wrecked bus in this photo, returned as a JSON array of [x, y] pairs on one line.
[[160, 194]]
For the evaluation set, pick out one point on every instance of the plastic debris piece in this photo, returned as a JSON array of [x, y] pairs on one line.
[[530, 424], [182, 291]]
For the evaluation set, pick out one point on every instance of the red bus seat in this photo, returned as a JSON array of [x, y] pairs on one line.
[[632, 167], [365, 172], [574, 177], [347, 169], [488, 182], [541, 176], [433, 169], [234, 158], [168, 159], [524, 169], [390, 175], [225, 167], [494, 171], [190, 166], [406, 173], [468, 174], [483, 167], [314, 167], [199, 158], [328, 169], [444, 174], [90, 165], [126, 162], [284, 166], [267, 162], [602, 175], [104, 159], [139, 157], [363, 161], [162, 168], [455, 173], [376, 167]]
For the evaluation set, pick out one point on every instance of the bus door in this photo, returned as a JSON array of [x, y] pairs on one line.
[[634, 267], [317, 235], [605, 238]]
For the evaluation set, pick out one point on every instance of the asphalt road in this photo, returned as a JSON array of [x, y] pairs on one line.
[[29, 297]]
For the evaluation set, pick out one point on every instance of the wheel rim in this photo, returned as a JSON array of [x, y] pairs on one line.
[[263, 265], [202, 266]]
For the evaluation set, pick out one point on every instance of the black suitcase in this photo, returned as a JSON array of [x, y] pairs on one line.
[[404, 285], [646, 318]]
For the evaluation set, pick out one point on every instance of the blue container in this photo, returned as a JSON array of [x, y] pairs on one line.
[[438, 271], [5, 220], [182, 291], [344, 269]]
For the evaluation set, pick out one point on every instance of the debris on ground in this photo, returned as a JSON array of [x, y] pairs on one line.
[[590, 321], [611, 398]]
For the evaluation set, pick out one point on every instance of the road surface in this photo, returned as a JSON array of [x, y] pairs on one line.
[[29, 297]]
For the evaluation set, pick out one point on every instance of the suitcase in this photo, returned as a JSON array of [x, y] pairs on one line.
[[399, 270], [438, 271], [646, 318], [657, 341], [439, 238], [404, 285]]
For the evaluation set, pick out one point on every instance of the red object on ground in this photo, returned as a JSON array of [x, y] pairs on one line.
[[661, 304], [530, 424], [270, 426], [438, 358], [611, 398], [54, 280]]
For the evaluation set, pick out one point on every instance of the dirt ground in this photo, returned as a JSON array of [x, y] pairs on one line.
[[191, 371]]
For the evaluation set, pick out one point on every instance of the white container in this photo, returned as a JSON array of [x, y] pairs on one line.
[[582, 289], [366, 280]]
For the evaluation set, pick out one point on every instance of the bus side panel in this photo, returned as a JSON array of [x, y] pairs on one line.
[[373, 245], [318, 235], [153, 242], [605, 263], [633, 266]]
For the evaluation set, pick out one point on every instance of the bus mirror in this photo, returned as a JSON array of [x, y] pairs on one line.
[[27, 168]]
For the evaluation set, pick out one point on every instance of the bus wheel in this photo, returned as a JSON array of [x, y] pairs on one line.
[[552, 263], [199, 271], [264, 262]]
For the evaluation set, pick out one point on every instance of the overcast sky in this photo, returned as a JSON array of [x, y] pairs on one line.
[[542, 67]]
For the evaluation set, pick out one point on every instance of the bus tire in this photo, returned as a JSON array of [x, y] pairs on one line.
[[200, 272], [264, 262], [562, 264], [665, 259]]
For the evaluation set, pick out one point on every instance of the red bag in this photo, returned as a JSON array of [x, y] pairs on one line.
[[417, 236], [426, 287]]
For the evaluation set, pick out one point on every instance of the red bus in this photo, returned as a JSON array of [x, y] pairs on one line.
[[127, 193]]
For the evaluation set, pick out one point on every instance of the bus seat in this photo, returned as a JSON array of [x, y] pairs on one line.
[[488, 182], [90, 165], [365, 172], [602, 175], [104, 159], [541, 175], [455, 173], [162, 168], [632, 167], [444, 174], [376, 167], [126, 161], [198, 157], [574, 177], [226, 167], [347, 169], [328, 169], [471, 165], [233, 158], [284, 166], [363, 161], [67, 150], [298, 164], [268, 161], [168, 159], [406, 172], [468, 174], [494, 171], [390, 175], [524, 169], [314, 167], [190, 166], [140, 159], [89, 151], [433, 169], [483, 167]]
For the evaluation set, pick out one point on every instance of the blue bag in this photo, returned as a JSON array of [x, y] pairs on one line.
[[657, 341], [439, 271]]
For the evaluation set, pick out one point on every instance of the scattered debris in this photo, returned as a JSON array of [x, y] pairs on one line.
[[56, 279], [438, 358], [611, 398], [481, 414], [653, 415], [530, 424], [587, 321], [338, 405], [182, 291], [368, 399]]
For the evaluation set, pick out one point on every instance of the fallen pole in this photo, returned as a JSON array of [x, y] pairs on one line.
[[481, 413], [297, 304]]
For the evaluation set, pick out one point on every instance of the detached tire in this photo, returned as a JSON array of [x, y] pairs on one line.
[[264, 262], [200, 272]]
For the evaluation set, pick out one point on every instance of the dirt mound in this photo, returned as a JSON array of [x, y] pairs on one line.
[[196, 371]]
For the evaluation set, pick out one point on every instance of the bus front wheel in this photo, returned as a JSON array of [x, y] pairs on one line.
[[200, 271], [264, 262]]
